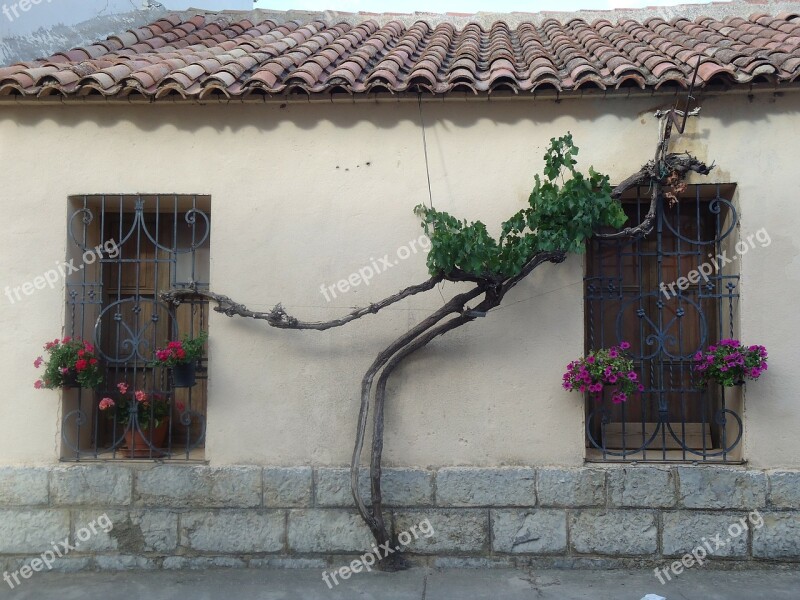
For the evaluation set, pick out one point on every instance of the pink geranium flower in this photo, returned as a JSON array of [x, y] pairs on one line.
[[65, 357]]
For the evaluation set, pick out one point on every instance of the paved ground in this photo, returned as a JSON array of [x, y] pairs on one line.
[[416, 584]]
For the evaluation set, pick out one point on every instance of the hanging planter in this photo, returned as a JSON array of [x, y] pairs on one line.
[[70, 379], [729, 363], [71, 363], [605, 368], [181, 357], [183, 374]]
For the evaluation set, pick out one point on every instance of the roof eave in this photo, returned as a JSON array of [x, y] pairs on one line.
[[385, 97]]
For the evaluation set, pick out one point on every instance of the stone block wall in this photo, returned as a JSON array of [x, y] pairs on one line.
[[184, 516]]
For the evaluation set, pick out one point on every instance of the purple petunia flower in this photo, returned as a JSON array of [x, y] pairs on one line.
[[619, 397]]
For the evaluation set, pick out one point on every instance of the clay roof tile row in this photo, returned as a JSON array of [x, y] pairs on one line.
[[208, 54]]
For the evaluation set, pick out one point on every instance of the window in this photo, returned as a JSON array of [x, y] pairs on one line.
[[628, 298], [124, 251]]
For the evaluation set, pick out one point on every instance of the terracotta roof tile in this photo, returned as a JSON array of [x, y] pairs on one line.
[[207, 54]]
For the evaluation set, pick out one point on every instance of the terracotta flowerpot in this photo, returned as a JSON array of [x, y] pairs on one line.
[[136, 443], [183, 375]]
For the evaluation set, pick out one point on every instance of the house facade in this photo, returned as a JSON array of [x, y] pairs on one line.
[[280, 162]]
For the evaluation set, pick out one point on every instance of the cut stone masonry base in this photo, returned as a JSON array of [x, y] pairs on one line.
[[182, 516]]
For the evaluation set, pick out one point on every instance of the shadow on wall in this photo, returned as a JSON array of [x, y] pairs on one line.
[[234, 117]]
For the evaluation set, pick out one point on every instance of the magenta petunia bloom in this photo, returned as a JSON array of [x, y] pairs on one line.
[[730, 362], [619, 397], [601, 368]]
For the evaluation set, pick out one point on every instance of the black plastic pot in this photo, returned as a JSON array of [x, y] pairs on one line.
[[183, 375], [70, 379]]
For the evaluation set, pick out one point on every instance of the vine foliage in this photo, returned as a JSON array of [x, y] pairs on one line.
[[564, 209]]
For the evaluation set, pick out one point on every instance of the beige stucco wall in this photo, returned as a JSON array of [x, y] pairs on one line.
[[306, 194]]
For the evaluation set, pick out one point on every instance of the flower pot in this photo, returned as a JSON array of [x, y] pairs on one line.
[[70, 380], [147, 442], [183, 375]]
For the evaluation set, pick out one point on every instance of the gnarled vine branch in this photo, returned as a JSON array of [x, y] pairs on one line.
[[655, 175], [490, 285]]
